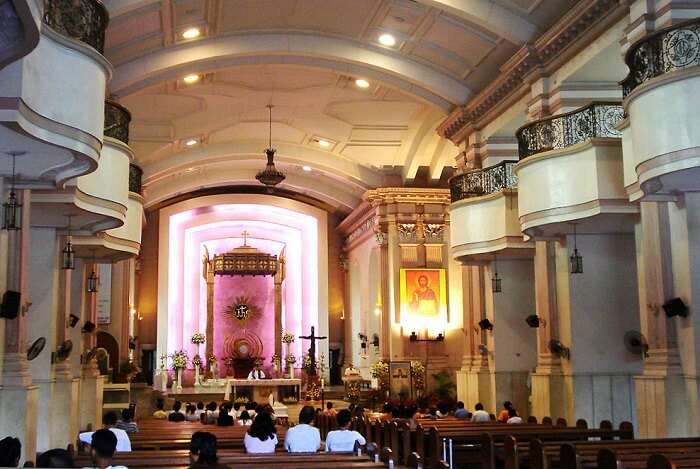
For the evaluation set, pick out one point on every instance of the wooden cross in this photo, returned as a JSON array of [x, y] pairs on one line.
[[312, 349], [245, 237]]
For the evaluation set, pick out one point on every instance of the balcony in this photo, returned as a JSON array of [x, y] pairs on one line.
[[484, 214], [570, 170], [662, 95], [53, 97]]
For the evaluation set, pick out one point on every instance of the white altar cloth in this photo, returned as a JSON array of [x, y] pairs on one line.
[[232, 384]]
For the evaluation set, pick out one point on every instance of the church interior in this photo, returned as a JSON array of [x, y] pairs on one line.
[[402, 213]]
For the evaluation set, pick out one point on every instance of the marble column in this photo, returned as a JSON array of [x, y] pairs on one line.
[[64, 417], [18, 401], [385, 291], [393, 266], [92, 383], [278, 279]]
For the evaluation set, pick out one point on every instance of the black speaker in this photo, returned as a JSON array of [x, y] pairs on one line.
[[675, 307], [88, 327], [10, 304]]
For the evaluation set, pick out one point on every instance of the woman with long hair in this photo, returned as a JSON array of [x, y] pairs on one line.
[[262, 435], [205, 451]]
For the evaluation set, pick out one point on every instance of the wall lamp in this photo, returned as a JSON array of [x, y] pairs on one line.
[[414, 338]]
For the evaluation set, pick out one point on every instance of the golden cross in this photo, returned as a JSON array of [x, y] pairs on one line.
[[245, 237]]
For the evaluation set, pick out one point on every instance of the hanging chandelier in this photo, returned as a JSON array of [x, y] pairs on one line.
[[495, 280], [270, 176], [93, 280], [68, 253], [576, 260], [12, 208]]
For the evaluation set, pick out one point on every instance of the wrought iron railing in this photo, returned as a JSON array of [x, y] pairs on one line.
[[84, 20], [135, 174], [485, 181], [117, 119], [565, 130], [673, 48]]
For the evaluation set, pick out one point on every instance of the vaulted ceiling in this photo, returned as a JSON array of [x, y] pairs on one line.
[[304, 57]]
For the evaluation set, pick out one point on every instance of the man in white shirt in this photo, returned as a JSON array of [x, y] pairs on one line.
[[343, 440], [256, 373], [303, 438], [109, 421], [513, 416], [102, 446], [480, 415]]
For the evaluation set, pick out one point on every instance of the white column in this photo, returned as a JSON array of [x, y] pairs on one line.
[[91, 386]]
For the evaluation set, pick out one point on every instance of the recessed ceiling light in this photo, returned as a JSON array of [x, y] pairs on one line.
[[387, 39], [362, 83], [191, 33], [324, 143], [189, 79], [191, 142], [306, 168]]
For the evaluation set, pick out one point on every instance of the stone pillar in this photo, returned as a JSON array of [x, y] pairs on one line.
[[64, 416], [18, 401], [279, 278], [348, 348], [550, 396], [209, 277], [663, 393], [91, 386], [386, 292]]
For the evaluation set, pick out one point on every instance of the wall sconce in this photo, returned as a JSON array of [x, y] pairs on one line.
[[414, 338], [88, 327], [483, 349], [576, 260], [558, 349], [73, 320], [363, 345], [375, 342]]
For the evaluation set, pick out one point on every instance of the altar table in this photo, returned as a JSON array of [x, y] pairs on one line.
[[262, 388]]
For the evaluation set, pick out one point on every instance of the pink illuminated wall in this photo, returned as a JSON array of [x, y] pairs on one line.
[[260, 292]]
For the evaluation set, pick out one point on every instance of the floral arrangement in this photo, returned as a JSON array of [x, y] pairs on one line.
[[241, 400], [309, 365], [418, 374], [275, 359], [228, 361], [291, 359], [198, 338], [287, 337], [211, 359], [380, 371], [197, 361], [180, 360]]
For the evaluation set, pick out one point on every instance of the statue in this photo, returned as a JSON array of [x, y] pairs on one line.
[[312, 348]]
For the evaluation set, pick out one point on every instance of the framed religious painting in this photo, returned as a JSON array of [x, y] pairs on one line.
[[423, 299], [400, 379]]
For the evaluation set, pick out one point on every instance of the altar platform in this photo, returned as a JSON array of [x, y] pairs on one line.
[[230, 389]]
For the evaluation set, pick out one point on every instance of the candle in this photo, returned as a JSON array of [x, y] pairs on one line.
[[322, 383]]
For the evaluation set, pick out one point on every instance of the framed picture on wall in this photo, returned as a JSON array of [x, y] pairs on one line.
[[423, 298], [400, 379]]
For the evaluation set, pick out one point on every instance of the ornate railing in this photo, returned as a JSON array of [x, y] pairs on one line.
[[480, 182], [673, 48], [117, 119], [135, 174], [84, 20], [565, 130]]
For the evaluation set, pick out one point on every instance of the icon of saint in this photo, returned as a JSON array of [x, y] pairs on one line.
[[424, 300]]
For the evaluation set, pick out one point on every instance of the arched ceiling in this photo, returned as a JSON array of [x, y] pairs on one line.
[[303, 56]]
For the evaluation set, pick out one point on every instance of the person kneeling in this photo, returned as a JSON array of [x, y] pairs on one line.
[[262, 435], [303, 438], [343, 440]]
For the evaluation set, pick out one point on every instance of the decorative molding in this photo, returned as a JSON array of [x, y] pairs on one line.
[[366, 226], [387, 195], [557, 45]]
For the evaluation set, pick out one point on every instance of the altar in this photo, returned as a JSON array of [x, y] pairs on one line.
[[262, 388]]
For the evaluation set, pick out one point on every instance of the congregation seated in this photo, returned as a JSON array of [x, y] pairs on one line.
[[245, 419], [176, 415], [224, 419], [103, 444], [461, 412], [212, 414], [200, 409], [443, 410], [503, 415], [513, 417], [303, 438], [251, 407], [191, 413], [109, 422], [343, 439], [262, 435], [160, 412], [10, 451], [57, 457], [237, 409], [330, 411], [480, 415], [127, 422], [203, 449]]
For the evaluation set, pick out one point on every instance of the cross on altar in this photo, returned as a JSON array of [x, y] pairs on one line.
[[312, 349], [245, 237]]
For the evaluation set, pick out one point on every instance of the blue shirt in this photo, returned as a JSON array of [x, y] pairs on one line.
[[461, 413]]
